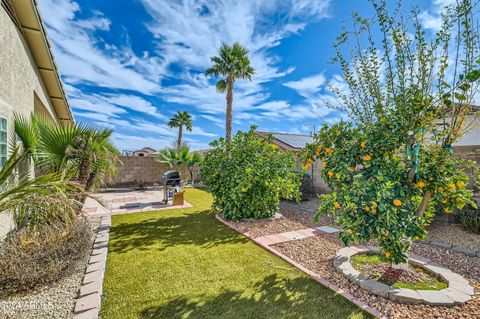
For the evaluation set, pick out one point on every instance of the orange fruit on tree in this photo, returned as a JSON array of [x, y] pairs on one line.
[[374, 211], [366, 208], [324, 164], [363, 144], [421, 184], [318, 150], [308, 164], [387, 254], [460, 184], [330, 173], [337, 205], [328, 150], [397, 202], [352, 168], [367, 157]]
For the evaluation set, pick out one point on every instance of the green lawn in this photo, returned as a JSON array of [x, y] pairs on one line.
[[183, 263]]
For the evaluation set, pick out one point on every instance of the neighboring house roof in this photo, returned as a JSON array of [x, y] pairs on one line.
[[145, 149], [288, 141], [27, 17]]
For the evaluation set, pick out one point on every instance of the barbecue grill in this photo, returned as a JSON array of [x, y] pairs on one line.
[[169, 180]]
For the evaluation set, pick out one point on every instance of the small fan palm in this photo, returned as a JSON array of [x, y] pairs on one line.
[[232, 62], [79, 152], [179, 120], [193, 159], [37, 203]]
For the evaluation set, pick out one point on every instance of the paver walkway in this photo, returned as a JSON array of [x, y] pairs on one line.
[[295, 235], [127, 202]]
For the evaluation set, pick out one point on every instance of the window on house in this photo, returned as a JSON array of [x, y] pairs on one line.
[[3, 141]]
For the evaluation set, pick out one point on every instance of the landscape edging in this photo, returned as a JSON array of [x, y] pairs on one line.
[[89, 300], [458, 291], [308, 272]]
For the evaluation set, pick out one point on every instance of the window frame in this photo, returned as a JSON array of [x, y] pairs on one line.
[[3, 149]]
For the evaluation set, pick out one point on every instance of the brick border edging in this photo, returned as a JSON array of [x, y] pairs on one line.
[[89, 300], [307, 271], [452, 247]]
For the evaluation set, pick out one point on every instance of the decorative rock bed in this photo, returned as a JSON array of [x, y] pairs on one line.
[[459, 290]]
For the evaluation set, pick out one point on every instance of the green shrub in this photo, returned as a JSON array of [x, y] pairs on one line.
[[248, 177], [470, 219], [29, 260]]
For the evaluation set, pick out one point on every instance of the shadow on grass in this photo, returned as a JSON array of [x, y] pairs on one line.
[[198, 228], [274, 297]]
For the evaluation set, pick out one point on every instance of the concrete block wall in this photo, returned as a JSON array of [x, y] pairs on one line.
[[145, 169]]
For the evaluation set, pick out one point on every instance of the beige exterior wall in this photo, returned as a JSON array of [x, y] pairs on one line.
[[21, 88]]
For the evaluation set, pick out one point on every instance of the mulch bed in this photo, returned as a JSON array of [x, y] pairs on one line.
[[317, 253]]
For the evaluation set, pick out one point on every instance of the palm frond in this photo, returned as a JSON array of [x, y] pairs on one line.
[[221, 86]]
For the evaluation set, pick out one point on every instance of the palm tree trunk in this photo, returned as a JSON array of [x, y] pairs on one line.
[[228, 116], [83, 177], [180, 132], [91, 180]]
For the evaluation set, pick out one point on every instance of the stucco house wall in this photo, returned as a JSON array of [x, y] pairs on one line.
[[22, 89]]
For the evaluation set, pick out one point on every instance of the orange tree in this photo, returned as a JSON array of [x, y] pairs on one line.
[[409, 98], [248, 175]]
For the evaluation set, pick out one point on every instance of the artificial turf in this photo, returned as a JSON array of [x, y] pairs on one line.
[[183, 263]]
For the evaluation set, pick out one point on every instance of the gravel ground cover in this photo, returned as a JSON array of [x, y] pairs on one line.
[[310, 205], [292, 219], [55, 301], [438, 231], [454, 234], [316, 253]]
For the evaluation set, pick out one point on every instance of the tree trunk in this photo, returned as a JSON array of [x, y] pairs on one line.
[[83, 177], [191, 176], [91, 180], [228, 116], [180, 132]]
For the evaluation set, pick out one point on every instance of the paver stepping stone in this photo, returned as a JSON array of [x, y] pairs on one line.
[[293, 235], [328, 229]]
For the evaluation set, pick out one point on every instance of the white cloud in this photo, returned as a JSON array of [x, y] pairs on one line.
[[307, 85], [134, 103], [78, 51], [432, 19], [190, 32]]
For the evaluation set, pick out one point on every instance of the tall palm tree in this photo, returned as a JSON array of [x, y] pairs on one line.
[[181, 119], [232, 62]]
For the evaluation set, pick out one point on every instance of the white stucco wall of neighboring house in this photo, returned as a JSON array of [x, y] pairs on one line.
[[472, 136], [22, 90]]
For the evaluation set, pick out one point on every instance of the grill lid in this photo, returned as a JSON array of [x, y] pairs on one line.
[[171, 175]]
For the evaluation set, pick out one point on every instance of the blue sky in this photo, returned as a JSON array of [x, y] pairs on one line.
[[130, 64]]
